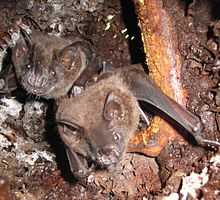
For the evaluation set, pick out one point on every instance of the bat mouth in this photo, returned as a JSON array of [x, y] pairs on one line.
[[108, 157], [105, 157], [35, 91]]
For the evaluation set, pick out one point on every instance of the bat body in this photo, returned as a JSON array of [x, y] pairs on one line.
[[116, 92], [48, 66]]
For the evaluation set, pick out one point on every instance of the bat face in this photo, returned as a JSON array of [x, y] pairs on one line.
[[97, 125], [48, 66]]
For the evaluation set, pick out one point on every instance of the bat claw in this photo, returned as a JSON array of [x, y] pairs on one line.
[[144, 116], [204, 142]]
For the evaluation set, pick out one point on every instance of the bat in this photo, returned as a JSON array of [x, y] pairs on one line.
[[97, 125], [48, 66]]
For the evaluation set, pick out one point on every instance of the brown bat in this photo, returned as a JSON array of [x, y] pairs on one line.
[[97, 125], [48, 66]]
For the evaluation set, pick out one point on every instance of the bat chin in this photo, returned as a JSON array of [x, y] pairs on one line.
[[107, 161]]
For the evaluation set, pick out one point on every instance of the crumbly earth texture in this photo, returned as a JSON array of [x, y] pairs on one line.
[[33, 164]]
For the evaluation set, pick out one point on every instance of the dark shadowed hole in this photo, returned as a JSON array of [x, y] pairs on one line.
[[131, 21], [136, 47], [186, 4], [20, 94], [215, 5]]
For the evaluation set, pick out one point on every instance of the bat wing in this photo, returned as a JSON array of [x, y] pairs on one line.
[[145, 90]]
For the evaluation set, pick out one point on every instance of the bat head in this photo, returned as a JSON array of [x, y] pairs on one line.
[[97, 124], [46, 65]]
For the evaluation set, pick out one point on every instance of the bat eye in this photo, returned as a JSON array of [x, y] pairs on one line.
[[53, 73], [28, 66], [69, 130], [116, 136], [69, 134]]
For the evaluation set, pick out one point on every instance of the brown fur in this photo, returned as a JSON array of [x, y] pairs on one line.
[[87, 111]]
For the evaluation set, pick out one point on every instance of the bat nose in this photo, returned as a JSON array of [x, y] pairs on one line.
[[36, 79], [108, 155]]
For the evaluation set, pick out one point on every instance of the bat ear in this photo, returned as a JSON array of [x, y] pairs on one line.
[[113, 108], [27, 38], [71, 57], [21, 52]]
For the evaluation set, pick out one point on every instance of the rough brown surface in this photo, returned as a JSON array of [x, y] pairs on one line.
[[33, 159], [164, 61]]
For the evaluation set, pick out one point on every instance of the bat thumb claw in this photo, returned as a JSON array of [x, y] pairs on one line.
[[205, 142]]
